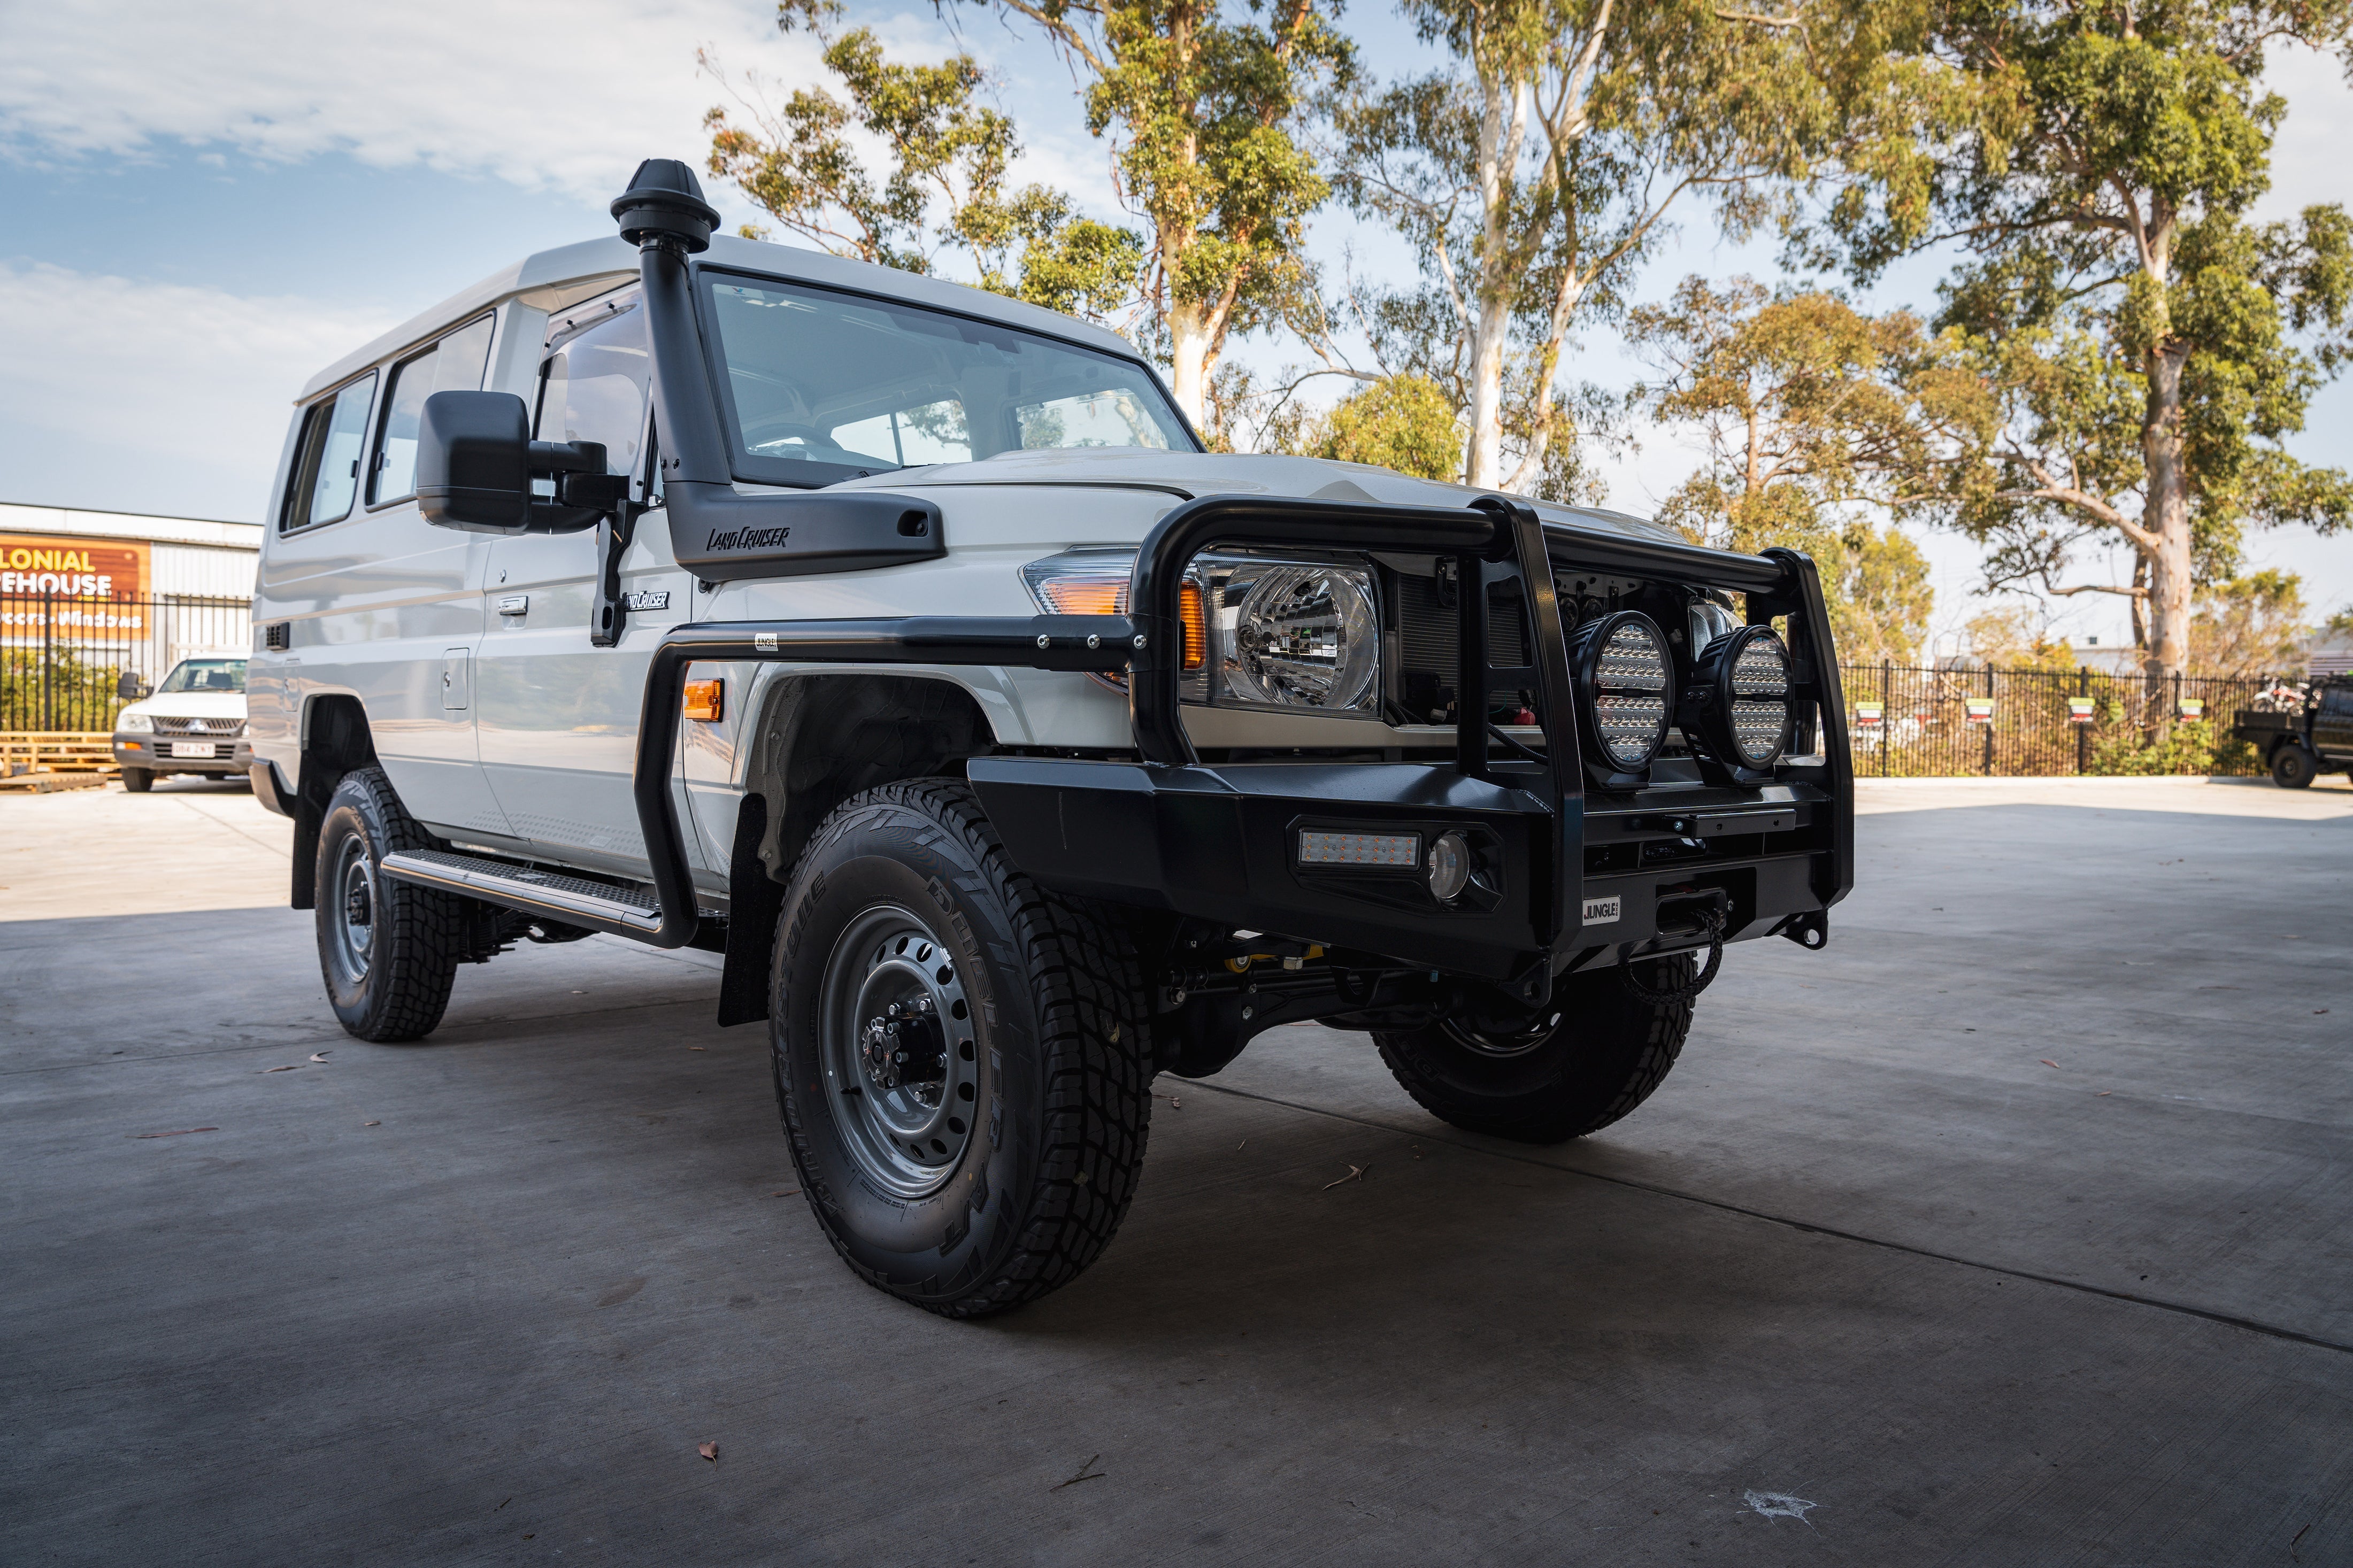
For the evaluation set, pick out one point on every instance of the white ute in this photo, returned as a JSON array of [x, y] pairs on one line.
[[901, 643]]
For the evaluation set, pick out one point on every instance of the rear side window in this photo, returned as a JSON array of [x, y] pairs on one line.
[[2337, 703], [453, 365], [327, 463], [593, 388]]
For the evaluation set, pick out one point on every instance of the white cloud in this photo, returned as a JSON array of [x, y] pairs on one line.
[[562, 97], [187, 388], [568, 97]]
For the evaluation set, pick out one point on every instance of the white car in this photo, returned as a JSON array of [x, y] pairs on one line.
[[194, 723], [901, 643]]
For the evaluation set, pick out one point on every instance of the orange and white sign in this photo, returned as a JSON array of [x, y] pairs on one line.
[[72, 568], [85, 589]]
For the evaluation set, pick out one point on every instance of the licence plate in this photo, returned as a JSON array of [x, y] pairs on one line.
[[192, 748]]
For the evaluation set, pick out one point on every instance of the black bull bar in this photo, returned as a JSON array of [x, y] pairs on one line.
[[1217, 842]]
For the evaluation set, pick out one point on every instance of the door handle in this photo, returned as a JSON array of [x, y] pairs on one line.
[[515, 604]]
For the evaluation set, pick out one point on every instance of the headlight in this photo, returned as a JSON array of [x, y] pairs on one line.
[[130, 721], [1742, 691], [1624, 676], [1291, 636], [1259, 632]]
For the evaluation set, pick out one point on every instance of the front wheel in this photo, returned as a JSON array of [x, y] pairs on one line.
[[959, 1056], [2293, 767], [1594, 1054], [137, 781]]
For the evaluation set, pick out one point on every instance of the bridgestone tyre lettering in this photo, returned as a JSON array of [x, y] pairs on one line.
[[2293, 767], [1607, 1052], [389, 978], [137, 781], [1061, 1100]]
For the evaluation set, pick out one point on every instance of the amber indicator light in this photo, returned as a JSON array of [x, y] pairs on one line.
[[706, 700]]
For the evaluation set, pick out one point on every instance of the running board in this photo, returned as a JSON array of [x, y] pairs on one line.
[[614, 908]]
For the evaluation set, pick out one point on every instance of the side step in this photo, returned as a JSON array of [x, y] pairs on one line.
[[615, 907]]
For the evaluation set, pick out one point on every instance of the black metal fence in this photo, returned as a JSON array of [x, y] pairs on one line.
[[62, 659], [1906, 723]]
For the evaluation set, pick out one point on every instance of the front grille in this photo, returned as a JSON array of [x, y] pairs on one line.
[[1427, 637], [214, 728]]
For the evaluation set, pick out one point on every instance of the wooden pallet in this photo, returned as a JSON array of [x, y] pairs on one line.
[[37, 753]]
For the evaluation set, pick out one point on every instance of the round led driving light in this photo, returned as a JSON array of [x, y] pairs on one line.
[[1301, 636], [1624, 679], [1744, 681], [1450, 868]]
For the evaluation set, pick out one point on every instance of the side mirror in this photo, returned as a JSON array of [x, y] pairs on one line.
[[473, 461], [128, 687], [476, 460]]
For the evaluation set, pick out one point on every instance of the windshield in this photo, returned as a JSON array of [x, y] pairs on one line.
[[206, 675], [828, 386]]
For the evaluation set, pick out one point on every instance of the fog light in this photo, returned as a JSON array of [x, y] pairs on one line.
[[1358, 849], [1450, 868]]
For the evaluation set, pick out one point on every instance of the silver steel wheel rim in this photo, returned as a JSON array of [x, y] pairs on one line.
[[354, 889], [1518, 1043], [907, 1137]]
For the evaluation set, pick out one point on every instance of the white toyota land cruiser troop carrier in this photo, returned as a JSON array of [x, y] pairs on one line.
[[901, 643]]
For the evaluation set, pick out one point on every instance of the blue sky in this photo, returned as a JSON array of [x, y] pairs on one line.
[[207, 204]]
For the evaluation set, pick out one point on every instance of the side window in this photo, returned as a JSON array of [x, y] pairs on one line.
[[2339, 702], [327, 462], [453, 365], [593, 388]]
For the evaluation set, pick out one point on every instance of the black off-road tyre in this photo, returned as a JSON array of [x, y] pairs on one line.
[[1597, 1053], [2293, 767], [388, 975], [137, 781], [1042, 1047]]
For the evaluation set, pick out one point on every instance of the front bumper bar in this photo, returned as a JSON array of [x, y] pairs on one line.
[[1574, 881]]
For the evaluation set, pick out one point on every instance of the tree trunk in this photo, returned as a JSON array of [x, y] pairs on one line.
[[1191, 335], [1503, 124], [2166, 515]]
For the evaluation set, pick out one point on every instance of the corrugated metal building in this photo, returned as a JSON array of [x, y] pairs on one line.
[[192, 558]]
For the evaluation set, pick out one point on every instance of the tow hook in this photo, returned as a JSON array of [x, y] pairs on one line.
[[1701, 912]]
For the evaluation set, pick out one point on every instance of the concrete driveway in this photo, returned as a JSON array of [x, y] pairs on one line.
[[2011, 1229]]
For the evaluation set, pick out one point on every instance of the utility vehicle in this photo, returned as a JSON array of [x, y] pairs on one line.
[[902, 644]]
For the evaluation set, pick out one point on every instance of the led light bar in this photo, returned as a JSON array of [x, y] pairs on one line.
[[1399, 849]]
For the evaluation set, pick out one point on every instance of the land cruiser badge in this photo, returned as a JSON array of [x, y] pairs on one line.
[[1603, 911], [656, 599]]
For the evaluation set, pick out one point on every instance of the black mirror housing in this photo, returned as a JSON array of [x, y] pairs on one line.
[[128, 687], [476, 460], [473, 461]]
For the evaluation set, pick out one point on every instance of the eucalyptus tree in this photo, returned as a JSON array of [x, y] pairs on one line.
[[1811, 415], [945, 184], [2148, 344], [1538, 166], [1202, 100]]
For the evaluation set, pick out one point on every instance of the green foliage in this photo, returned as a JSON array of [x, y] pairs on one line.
[[1809, 410], [1533, 172], [82, 695], [1201, 100], [2142, 345], [2197, 746], [1402, 422], [2250, 625], [945, 189]]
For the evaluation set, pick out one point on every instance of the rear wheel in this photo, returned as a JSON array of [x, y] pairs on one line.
[[137, 781], [959, 1056], [389, 950], [1594, 1054], [2293, 767]]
